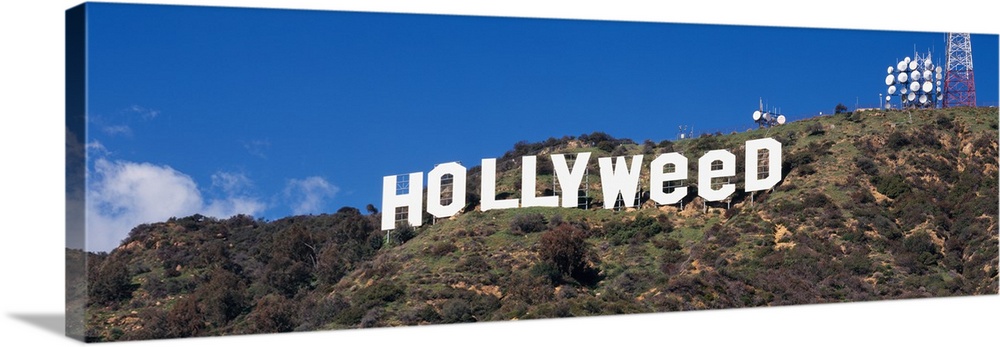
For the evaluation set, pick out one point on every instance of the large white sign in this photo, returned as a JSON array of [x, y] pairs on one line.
[[619, 175]]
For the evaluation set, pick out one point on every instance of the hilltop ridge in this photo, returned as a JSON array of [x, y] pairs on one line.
[[872, 205]]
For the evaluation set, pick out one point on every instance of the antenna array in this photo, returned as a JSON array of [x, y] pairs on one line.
[[916, 83], [767, 118]]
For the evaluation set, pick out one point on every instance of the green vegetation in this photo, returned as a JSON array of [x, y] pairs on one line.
[[873, 205]]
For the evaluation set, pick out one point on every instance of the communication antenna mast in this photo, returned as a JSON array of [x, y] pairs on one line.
[[959, 82], [767, 118], [915, 82]]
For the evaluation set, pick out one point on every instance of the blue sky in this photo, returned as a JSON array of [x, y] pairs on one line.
[[281, 112]]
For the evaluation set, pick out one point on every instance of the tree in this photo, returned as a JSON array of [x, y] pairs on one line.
[[293, 258], [648, 147], [112, 283], [840, 109], [184, 319], [565, 246], [222, 298], [333, 264], [272, 314]]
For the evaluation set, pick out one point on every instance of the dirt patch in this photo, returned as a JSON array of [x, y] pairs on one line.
[[481, 290], [782, 233]]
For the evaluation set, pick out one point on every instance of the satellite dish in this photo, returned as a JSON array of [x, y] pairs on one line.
[[889, 80], [938, 83], [756, 115], [887, 98], [913, 65], [900, 66], [781, 119], [903, 91], [928, 87], [914, 86], [927, 74], [937, 69], [923, 98], [907, 60], [911, 96], [915, 75], [939, 90], [889, 70], [938, 76], [902, 77], [927, 63], [767, 116], [892, 90]]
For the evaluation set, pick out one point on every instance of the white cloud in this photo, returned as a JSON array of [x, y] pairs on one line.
[[231, 183], [257, 148], [124, 194], [112, 130], [308, 195], [96, 148], [236, 187], [143, 112], [232, 206]]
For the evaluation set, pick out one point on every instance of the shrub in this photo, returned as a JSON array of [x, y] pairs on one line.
[[815, 200], [892, 186], [402, 233], [154, 325], [184, 319], [666, 145], [371, 318], [866, 165], [113, 283], [333, 263], [886, 228], [527, 223], [525, 288], [944, 122], [443, 248], [667, 244], [897, 140], [863, 196], [379, 294], [814, 129], [637, 230], [797, 159], [287, 276], [222, 298], [317, 310], [420, 314], [606, 146], [918, 252], [473, 263], [548, 271], [272, 314], [619, 150], [456, 311]]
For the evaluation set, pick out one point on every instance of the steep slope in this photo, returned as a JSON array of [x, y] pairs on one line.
[[873, 205]]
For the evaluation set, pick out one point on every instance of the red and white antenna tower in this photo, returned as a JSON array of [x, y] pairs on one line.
[[959, 84]]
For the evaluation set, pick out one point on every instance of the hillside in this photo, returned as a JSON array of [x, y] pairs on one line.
[[873, 205]]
